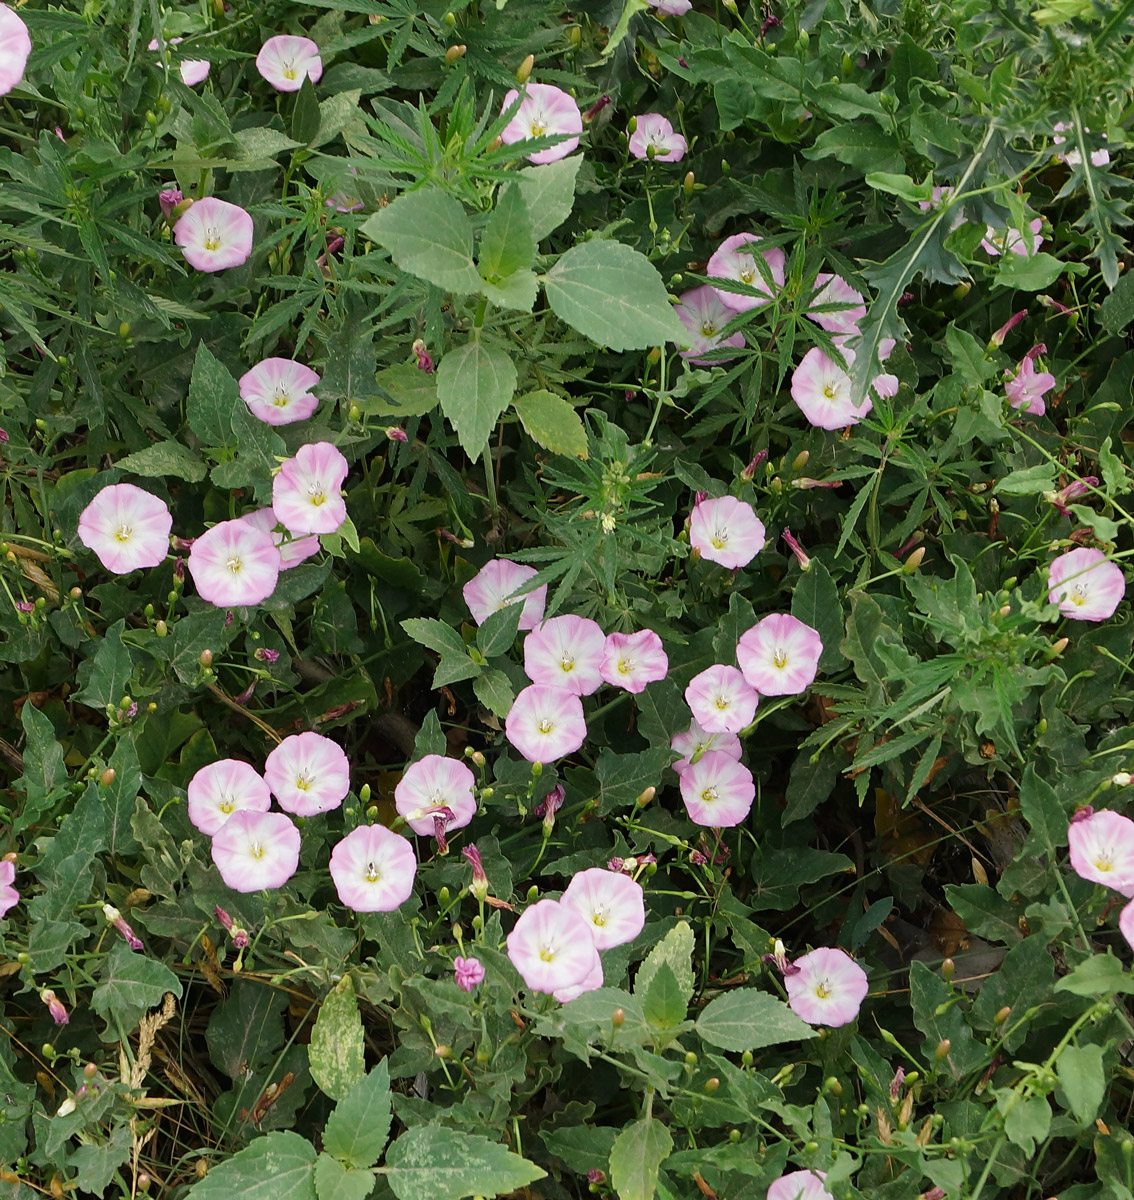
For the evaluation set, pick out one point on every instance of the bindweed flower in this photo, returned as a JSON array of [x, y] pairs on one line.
[[493, 585], [721, 699], [799, 1185], [1012, 241], [612, 904], [695, 741], [432, 784], [308, 774], [1101, 844], [1072, 157], [565, 652], [424, 358], [828, 988], [822, 390], [293, 550], [1126, 923], [545, 723], [193, 70], [238, 933], [126, 527], [234, 564], [115, 918], [168, 200], [285, 61], [54, 1006], [1084, 585], [726, 531], [998, 337], [592, 980], [670, 8], [468, 973], [551, 947], [1027, 387], [254, 850], [9, 897], [832, 291], [396, 434], [1075, 490], [544, 111], [653, 138], [15, 46], [373, 869], [704, 314], [549, 806], [305, 491], [633, 660], [278, 391], [779, 655], [24, 606], [732, 261], [717, 790], [214, 235], [223, 788], [479, 885], [793, 545]]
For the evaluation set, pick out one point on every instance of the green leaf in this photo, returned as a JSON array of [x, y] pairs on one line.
[[1081, 1076], [507, 244], [409, 392], [638, 1151], [809, 784], [816, 602], [96, 1162], [106, 678], [337, 1046], [431, 1162], [438, 636], [552, 422], [357, 1130], [614, 296], [899, 185], [333, 1181], [747, 1019], [276, 1166], [1099, 975], [665, 1005], [675, 950], [516, 291], [984, 912], [429, 235], [1027, 1121], [305, 114], [335, 114], [1023, 981], [246, 1030], [497, 633], [1113, 468], [1029, 481], [1117, 310], [549, 193], [1030, 272], [494, 690], [165, 459], [861, 145], [1042, 810], [130, 984], [624, 777], [475, 384], [45, 775]]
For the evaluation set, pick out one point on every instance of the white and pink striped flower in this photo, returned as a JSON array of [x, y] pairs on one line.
[[545, 723], [308, 774], [1085, 585], [278, 391], [704, 314], [633, 660], [717, 790], [493, 586], [214, 235], [836, 306], [695, 742], [305, 492], [373, 869], [126, 527], [611, 903], [735, 259], [234, 564], [222, 788], [15, 46], [655, 139], [436, 788], [544, 111], [827, 987], [726, 531], [285, 61], [1102, 849], [779, 655], [552, 948], [722, 700], [566, 652], [293, 550], [254, 850]]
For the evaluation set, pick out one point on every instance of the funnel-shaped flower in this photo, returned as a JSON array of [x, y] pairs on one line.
[[545, 723], [1084, 585], [293, 550], [593, 980], [704, 314], [1027, 387], [305, 491], [308, 774], [779, 655], [285, 61], [726, 531], [799, 1185], [823, 391], [126, 527], [551, 947], [223, 788], [695, 741], [652, 132], [8, 894], [565, 652], [489, 591], [718, 791], [254, 850], [721, 699], [214, 235], [234, 564], [193, 70], [15, 46], [735, 259], [828, 988], [431, 784], [611, 903], [633, 660], [544, 111], [373, 869], [278, 391], [1012, 241], [836, 306], [1102, 849]]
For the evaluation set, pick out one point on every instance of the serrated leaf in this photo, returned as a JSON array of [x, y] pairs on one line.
[[276, 1166], [638, 1151], [130, 984], [357, 1130], [747, 1019], [549, 193], [861, 145], [333, 1181], [429, 235], [45, 775], [675, 950], [664, 1004], [497, 632], [507, 243], [106, 678], [431, 1162], [475, 384], [165, 459], [552, 422], [336, 1051], [438, 636], [409, 392], [516, 291], [494, 690]]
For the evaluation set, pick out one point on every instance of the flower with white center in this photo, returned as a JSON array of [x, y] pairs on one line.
[[653, 133], [373, 869], [827, 987], [305, 491], [726, 531], [779, 655], [633, 660], [9, 897], [15, 46], [214, 235], [278, 391], [493, 586], [823, 391], [223, 788], [308, 774], [695, 742], [1102, 848], [545, 723], [704, 314], [721, 699], [565, 652], [836, 306], [734, 260], [1027, 387], [551, 947], [234, 564], [670, 8], [1073, 158], [126, 527], [594, 980], [285, 61], [430, 785], [254, 850], [544, 111], [1084, 585], [717, 790], [1012, 241], [293, 550], [1126, 923], [193, 70], [610, 902], [799, 1185]]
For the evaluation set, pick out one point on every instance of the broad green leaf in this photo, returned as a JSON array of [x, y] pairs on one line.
[[438, 636], [816, 602], [213, 396], [45, 775], [516, 291], [429, 235], [494, 690], [305, 114], [1029, 272], [613, 295], [432, 1162], [638, 1151], [1112, 466], [336, 1051], [335, 114], [675, 950], [1029, 481], [623, 778], [1024, 981], [247, 1029], [549, 193], [275, 1166], [1083, 1080], [106, 678], [497, 633], [333, 1181], [1117, 310], [475, 384], [747, 1019], [507, 243], [130, 984], [899, 185], [664, 1005], [96, 1162], [552, 422], [861, 145], [163, 460], [984, 912], [1027, 1121], [1099, 975], [357, 1130], [409, 392], [1044, 813]]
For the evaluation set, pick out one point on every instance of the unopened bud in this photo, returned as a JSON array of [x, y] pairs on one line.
[[941, 1053], [646, 796], [524, 73], [618, 1018], [1059, 646], [914, 561], [1122, 779], [800, 460], [454, 53], [205, 658], [1003, 1015], [832, 1085], [690, 1058], [688, 182], [443, 1051], [711, 1085], [107, 777], [948, 968], [654, 354], [64, 1110]]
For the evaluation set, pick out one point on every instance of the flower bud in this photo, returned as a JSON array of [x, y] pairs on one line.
[[1059, 646], [711, 1085], [618, 1018], [1002, 1015], [107, 777], [948, 967], [1122, 779], [524, 72], [454, 53], [205, 658], [90, 1070], [688, 182], [646, 797], [914, 561], [690, 1058]]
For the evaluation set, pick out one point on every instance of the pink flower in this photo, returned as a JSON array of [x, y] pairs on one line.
[[168, 200], [694, 742], [308, 774], [1084, 585], [468, 973], [222, 788], [1099, 158], [545, 723], [632, 660], [1102, 849], [193, 70], [278, 391], [373, 869], [940, 196], [799, 1185], [551, 947], [822, 390], [431, 784], [214, 235], [8, 894], [565, 652], [612, 904], [1126, 923], [721, 699], [126, 527], [592, 980], [1027, 387], [54, 1006], [493, 585], [828, 988], [997, 241], [15, 46], [544, 111], [717, 790], [779, 655], [726, 531], [234, 564], [703, 313], [293, 550], [832, 290], [254, 850], [305, 491], [731, 261], [286, 61], [670, 8], [115, 918], [653, 132]]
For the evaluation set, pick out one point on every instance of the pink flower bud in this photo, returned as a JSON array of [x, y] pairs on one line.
[[169, 199], [424, 362], [263, 654], [479, 886], [114, 916], [797, 550], [54, 1006], [396, 435], [998, 337], [749, 472], [468, 973]]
